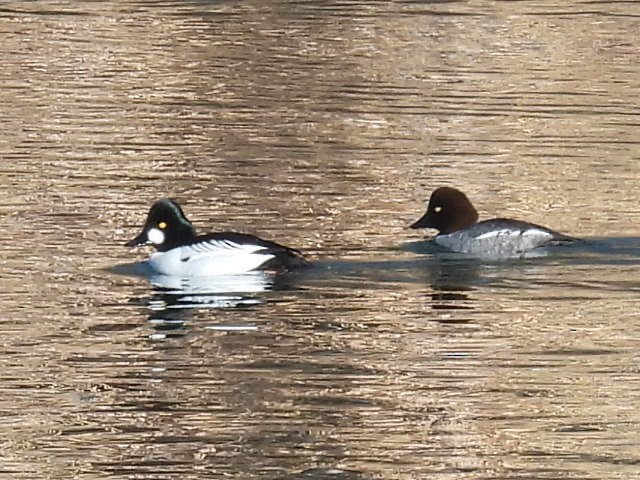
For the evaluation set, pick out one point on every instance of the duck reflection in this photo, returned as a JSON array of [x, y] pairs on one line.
[[451, 276], [452, 281], [175, 300], [223, 291]]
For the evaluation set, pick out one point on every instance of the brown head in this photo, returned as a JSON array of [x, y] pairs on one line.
[[449, 210]]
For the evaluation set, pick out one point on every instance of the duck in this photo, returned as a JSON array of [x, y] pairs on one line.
[[180, 251], [455, 218]]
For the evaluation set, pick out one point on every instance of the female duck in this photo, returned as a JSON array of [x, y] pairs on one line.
[[181, 252], [452, 214]]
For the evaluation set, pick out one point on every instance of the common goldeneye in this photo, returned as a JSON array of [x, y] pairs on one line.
[[180, 252], [452, 214]]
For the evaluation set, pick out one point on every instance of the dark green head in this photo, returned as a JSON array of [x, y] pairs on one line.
[[166, 227]]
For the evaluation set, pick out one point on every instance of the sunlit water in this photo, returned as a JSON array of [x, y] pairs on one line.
[[323, 126]]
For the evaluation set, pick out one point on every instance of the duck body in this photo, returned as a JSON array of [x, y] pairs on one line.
[[452, 214], [181, 252], [500, 237]]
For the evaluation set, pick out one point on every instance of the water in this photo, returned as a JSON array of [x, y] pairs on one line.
[[324, 126]]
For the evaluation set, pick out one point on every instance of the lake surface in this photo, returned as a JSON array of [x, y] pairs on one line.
[[323, 126]]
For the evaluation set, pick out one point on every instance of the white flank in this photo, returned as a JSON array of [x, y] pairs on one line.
[[155, 236], [225, 247], [238, 263], [217, 257], [535, 232], [498, 233]]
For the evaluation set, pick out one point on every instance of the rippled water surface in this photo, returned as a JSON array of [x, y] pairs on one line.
[[324, 126]]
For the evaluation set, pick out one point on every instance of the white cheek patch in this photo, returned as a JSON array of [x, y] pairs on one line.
[[156, 236]]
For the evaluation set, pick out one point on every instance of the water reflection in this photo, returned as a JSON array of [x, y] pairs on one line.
[[174, 298], [209, 292], [450, 281], [452, 285], [174, 301]]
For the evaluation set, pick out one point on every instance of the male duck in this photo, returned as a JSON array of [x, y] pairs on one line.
[[181, 252]]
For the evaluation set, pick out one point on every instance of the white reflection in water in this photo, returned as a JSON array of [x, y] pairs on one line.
[[224, 291], [176, 298], [174, 301]]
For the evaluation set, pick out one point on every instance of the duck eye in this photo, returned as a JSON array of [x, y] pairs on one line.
[[438, 209], [162, 225]]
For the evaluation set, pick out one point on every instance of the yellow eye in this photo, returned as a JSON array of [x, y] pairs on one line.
[[438, 209], [162, 225]]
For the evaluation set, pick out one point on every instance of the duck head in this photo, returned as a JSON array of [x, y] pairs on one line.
[[166, 227], [449, 210]]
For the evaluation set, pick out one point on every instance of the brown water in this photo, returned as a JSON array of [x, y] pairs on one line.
[[324, 126]]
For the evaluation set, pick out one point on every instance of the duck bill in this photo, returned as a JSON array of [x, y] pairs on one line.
[[422, 222], [139, 240]]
